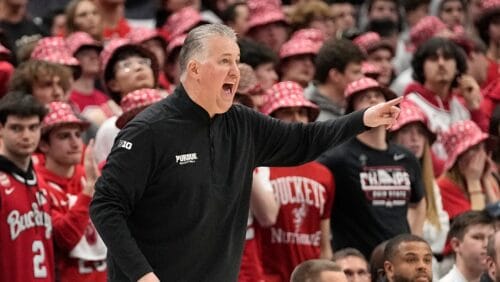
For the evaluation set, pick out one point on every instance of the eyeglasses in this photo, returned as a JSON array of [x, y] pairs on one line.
[[126, 65]]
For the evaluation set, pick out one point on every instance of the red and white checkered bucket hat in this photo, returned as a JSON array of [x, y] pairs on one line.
[[140, 35], [61, 113], [80, 39], [371, 41], [298, 46], [288, 94], [411, 113], [313, 34], [182, 22], [136, 101], [264, 12], [364, 84], [54, 50], [461, 136], [425, 29]]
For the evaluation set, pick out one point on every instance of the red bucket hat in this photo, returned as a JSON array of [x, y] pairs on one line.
[[411, 113], [298, 46], [461, 136], [371, 41], [109, 55], [61, 113], [364, 84], [426, 28], [288, 94], [264, 12], [182, 22], [80, 39], [54, 50], [136, 101], [313, 34], [368, 68], [140, 35]]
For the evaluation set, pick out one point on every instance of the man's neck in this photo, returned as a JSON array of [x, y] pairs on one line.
[[12, 13], [332, 93], [440, 89], [21, 162], [66, 171], [194, 92], [374, 138], [111, 14], [470, 274], [84, 85]]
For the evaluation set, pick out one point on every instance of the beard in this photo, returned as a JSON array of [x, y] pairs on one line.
[[401, 278]]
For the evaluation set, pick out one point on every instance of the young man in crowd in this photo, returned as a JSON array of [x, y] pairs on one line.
[[318, 270], [408, 258], [80, 252], [304, 194], [262, 59], [354, 265], [25, 223], [383, 179], [468, 237], [492, 273], [338, 63], [126, 67]]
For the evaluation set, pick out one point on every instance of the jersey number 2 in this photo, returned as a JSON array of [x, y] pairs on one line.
[[39, 269]]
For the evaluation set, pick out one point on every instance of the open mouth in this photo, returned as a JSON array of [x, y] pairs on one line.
[[228, 88]]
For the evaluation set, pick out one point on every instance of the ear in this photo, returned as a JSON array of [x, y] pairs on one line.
[[114, 85], [455, 244], [43, 146], [334, 75], [193, 68], [388, 268]]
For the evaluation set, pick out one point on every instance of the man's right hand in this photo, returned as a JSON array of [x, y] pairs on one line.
[[149, 277]]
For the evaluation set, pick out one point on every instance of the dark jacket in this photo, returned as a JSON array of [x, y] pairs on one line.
[[174, 195]]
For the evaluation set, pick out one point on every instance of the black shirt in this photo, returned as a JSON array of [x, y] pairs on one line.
[[174, 195], [373, 189]]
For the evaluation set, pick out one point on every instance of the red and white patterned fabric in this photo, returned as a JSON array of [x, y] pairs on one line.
[[488, 5], [288, 94], [264, 12], [110, 49], [368, 68], [61, 113], [459, 138], [80, 39], [371, 41], [140, 35], [177, 41], [409, 113], [4, 50], [302, 42], [364, 84], [313, 34], [54, 50], [136, 101], [426, 28], [182, 21]]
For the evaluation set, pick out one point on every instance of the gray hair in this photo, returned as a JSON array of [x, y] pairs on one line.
[[196, 41]]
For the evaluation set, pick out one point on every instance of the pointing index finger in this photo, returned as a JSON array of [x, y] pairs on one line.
[[394, 101]]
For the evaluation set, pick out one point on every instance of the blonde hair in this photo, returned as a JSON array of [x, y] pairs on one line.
[[429, 182]]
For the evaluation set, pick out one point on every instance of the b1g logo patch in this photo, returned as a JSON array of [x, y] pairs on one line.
[[125, 144]]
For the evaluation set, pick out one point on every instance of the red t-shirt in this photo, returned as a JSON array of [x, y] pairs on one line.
[[251, 266], [6, 71], [26, 249], [305, 194], [493, 72], [81, 100], [455, 201], [73, 230], [121, 30]]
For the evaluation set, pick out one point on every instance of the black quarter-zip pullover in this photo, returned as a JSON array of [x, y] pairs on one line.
[[174, 195]]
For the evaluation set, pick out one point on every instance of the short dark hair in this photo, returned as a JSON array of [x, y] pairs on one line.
[[430, 48], [336, 54], [348, 252], [229, 14], [463, 221], [384, 27], [393, 244], [412, 5], [22, 105], [256, 54], [310, 270], [370, 4]]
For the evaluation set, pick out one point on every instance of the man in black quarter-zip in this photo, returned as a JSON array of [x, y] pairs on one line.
[[172, 202]]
